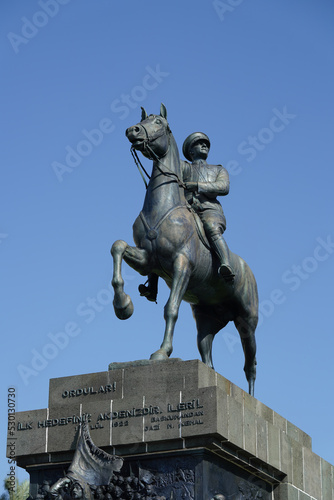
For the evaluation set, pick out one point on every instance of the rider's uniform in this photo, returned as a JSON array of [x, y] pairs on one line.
[[212, 181]]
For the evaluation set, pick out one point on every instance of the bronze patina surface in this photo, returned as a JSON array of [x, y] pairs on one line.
[[170, 243]]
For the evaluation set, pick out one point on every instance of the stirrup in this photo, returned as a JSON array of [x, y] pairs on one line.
[[145, 291], [226, 273]]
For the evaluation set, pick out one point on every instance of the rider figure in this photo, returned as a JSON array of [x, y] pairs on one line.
[[203, 183]]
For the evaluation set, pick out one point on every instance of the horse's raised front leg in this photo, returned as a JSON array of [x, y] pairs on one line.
[[181, 275], [137, 259]]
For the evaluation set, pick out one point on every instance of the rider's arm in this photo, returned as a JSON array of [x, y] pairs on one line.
[[186, 175], [185, 170], [217, 187]]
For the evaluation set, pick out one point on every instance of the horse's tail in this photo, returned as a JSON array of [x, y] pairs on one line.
[[247, 287]]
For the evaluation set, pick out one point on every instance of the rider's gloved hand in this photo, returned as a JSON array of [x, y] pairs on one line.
[[191, 186]]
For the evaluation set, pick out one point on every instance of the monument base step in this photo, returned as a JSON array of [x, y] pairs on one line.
[[183, 430]]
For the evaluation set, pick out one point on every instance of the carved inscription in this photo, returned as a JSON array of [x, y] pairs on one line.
[[89, 391], [189, 405], [74, 419], [24, 426], [176, 414], [54, 422], [134, 412], [187, 413]]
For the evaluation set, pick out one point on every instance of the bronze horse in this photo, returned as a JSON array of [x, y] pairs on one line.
[[168, 243]]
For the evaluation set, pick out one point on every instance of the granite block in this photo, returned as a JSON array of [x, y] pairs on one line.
[[304, 496], [261, 439], [273, 446], [237, 394], [312, 473], [30, 438], [101, 386], [62, 427], [124, 365], [209, 414], [127, 426], [306, 440], [297, 464], [249, 431], [130, 449], [327, 485], [222, 414], [249, 402], [280, 422], [223, 384], [264, 412], [100, 421], [195, 375], [298, 435], [163, 446], [235, 422], [286, 454], [64, 421], [157, 378], [292, 431], [162, 422], [286, 491], [206, 377]]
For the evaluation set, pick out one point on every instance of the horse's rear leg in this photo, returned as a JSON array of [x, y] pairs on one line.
[[181, 274], [136, 258], [207, 327], [246, 328]]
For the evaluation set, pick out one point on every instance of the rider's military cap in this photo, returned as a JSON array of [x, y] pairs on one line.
[[196, 136]]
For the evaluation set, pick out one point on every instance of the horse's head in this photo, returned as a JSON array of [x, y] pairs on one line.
[[151, 135]]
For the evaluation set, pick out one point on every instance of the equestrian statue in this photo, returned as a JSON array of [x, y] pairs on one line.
[[179, 237]]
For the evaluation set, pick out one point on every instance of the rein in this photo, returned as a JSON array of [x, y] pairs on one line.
[[165, 172], [153, 155], [139, 165]]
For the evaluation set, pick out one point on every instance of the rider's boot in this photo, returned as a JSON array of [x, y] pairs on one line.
[[221, 250], [150, 288]]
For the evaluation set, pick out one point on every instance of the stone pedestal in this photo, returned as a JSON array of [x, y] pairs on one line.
[[182, 429]]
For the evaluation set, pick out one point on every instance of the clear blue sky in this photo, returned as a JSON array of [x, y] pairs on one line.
[[257, 77]]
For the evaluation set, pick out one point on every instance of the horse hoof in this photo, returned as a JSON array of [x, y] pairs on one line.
[[251, 387], [125, 311], [160, 354]]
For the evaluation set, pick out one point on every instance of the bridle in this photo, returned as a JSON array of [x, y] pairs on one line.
[[166, 172], [153, 156]]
